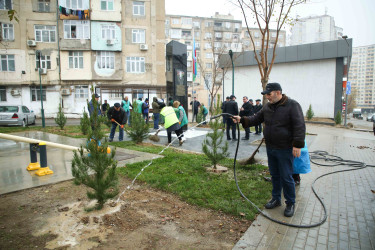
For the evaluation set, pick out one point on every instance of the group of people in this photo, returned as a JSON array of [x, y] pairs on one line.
[[248, 108], [196, 106]]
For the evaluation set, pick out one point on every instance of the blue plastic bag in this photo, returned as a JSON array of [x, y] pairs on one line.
[[301, 165]]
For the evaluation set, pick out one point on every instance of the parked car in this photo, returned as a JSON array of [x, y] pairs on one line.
[[16, 115], [370, 117]]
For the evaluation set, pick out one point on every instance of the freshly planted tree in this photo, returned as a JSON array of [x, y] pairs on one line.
[[200, 115], [97, 169], [60, 118], [84, 125], [338, 118], [309, 113], [212, 146], [139, 129]]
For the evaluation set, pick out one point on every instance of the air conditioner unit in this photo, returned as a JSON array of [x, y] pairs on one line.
[[110, 42], [31, 43], [65, 91], [43, 71], [15, 92], [143, 47]]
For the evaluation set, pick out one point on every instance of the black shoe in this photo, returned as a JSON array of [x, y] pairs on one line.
[[245, 138], [273, 203], [110, 140], [289, 210], [234, 139], [229, 139]]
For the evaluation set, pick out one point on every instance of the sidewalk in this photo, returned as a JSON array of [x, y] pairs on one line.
[[348, 198]]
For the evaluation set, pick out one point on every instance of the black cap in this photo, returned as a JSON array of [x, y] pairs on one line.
[[117, 105], [257, 100], [251, 100], [97, 96], [227, 97], [271, 87], [232, 96]]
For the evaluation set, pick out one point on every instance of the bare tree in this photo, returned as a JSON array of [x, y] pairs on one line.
[[352, 102], [266, 14]]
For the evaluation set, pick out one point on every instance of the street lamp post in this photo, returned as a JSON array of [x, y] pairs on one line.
[[347, 79], [39, 55], [231, 58]]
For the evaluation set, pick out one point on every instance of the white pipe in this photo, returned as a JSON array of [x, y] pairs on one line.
[[29, 140]]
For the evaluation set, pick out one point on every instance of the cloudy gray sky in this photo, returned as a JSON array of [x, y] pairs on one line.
[[356, 17]]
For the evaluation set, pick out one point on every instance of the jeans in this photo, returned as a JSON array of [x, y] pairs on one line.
[[113, 131], [280, 164], [156, 120], [128, 115], [145, 116], [204, 118], [230, 124], [258, 129]]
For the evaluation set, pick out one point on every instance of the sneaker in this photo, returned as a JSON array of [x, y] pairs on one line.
[[229, 139], [110, 140], [273, 203], [181, 141], [289, 210]]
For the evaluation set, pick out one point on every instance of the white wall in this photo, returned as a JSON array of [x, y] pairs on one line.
[[308, 82]]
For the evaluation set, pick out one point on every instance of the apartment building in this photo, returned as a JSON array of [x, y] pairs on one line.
[[313, 29], [214, 36], [115, 47], [361, 76], [257, 38]]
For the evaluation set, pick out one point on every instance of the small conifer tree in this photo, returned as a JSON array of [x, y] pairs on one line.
[[212, 146], [139, 129], [310, 113], [84, 125], [60, 118], [338, 118], [200, 114], [97, 169]]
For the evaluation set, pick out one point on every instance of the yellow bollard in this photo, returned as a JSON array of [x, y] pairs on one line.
[[44, 169], [34, 165]]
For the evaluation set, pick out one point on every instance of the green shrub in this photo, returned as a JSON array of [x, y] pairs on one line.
[[310, 113], [138, 131], [84, 125], [200, 114], [338, 118], [60, 118]]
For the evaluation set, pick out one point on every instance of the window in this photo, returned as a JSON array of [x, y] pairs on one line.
[[256, 34], [108, 32], [209, 65], [197, 34], [35, 93], [218, 35], [8, 33], [217, 45], [7, 63], [188, 64], [45, 33], [218, 24], [197, 45], [196, 24], [209, 24], [74, 29], [228, 25], [106, 4], [105, 59], [175, 21], [207, 46], [208, 55], [186, 34], [273, 34], [45, 61], [186, 21], [75, 60], [44, 5], [207, 35], [3, 94], [74, 4], [5, 4], [135, 64], [236, 25], [167, 22], [116, 93], [138, 36], [139, 8], [81, 92], [25, 109], [175, 33], [227, 35]]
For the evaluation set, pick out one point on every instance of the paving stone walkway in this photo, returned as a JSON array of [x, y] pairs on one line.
[[347, 195]]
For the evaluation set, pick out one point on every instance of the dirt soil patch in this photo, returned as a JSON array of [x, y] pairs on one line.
[[53, 217]]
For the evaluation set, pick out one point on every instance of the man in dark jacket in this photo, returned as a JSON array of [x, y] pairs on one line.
[[246, 110], [231, 107], [258, 106], [117, 115], [227, 99], [195, 107], [285, 136]]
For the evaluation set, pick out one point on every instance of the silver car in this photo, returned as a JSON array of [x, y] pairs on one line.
[[16, 115]]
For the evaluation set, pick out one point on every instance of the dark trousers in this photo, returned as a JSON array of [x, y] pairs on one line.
[[258, 129], [247, 132], [178, 133], [280, 164], [113, 131], [194, 115], [231, 124], [156, 120], [145, 116]]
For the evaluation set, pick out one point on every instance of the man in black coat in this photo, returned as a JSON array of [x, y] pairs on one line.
[[231, 107], [258, 106], [285, 136], [227, 99], [117, 114], [246, 110], [195, 106]]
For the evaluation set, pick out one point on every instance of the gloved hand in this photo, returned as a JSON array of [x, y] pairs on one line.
[[179, 123], [113, 120], [122, 126]]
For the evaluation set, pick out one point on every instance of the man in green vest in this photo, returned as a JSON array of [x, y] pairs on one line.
[[181, 116], [126, 104], [171, 123], [204, 112], [139, 105]]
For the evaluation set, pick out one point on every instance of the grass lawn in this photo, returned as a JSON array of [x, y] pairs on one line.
[[185, 175]]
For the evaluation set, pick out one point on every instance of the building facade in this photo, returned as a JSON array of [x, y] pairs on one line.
[[257, 38], [114, 47], [314, 29], [361, 76]]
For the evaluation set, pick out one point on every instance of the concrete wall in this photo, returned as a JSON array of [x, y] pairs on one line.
[[75, 74], [108, 15], [308, 82]]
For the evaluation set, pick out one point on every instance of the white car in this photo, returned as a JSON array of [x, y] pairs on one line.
[[16, 115]]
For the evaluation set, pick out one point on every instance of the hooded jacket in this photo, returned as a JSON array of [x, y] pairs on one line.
[[284, 124], [155, 106]]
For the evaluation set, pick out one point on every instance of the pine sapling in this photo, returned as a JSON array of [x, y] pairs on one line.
[[60, 118], [85, 123], [138, 131], [338, 118], [310, 113]]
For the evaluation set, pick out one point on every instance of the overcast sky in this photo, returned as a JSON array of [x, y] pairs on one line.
[[356, 17]]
